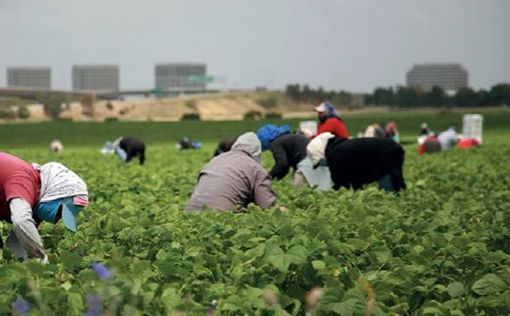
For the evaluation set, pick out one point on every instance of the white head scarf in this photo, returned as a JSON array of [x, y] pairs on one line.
[[316, 149], [57, 181], [250, 143]]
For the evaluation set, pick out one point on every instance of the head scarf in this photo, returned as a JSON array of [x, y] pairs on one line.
[[249, 143], [270, 132], [316, 149], [327, 108], [57, 181], [60, 187]]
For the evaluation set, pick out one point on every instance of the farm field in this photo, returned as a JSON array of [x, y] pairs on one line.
[[442, 247]]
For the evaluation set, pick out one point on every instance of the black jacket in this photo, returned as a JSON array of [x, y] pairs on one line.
[[133, 147], [360, 161], [288, 150]]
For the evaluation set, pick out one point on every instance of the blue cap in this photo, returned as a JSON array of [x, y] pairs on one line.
[[70, 210]]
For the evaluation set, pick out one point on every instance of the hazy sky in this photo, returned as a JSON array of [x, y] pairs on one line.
[[353, 45]]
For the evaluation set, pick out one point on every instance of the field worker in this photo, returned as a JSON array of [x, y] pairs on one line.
[[391, 131], [129, 147], [429, 145], [287, 149], [30, 194], [425, 129], [448, 138], [425, 132], [56, 146], [185, 144], [468, 143], [224, 145], [356, 162], [232, 180], [374, 130], [330, 121], [313, 170]]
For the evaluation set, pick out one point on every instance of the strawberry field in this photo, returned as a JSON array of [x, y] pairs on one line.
[[442, 247]]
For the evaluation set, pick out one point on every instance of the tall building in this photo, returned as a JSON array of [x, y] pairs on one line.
[[29, 77], [181, 77], [447, 76], [98, 78]]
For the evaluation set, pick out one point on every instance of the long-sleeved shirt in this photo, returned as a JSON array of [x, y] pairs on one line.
[[20, 186], [335, 126], [24, 239], [231, 181], [288, 150]]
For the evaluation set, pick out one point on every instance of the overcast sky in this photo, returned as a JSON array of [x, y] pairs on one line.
[[352, 45]]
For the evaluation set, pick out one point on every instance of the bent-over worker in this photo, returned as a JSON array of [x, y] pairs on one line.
[[232, 180], [30, 194]]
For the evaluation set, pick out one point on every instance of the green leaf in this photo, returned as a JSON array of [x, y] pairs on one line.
[[66, 285], [70, 260], [455, 289], [282, 260], [357, 243], [318, 264], [75, 303], [489, 284], [171, 299], [297, 254]]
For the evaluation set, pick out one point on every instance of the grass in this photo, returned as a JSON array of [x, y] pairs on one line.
[[26, 135]]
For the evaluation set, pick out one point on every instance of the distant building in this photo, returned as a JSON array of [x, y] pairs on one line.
[[97, 78], [181, 77], [450, 77], [29, 77]]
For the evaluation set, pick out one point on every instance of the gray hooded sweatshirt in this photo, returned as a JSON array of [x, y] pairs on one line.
[[234, 179]]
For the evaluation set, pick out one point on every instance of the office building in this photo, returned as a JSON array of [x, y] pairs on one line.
[[450, 77], [181, 77], [96, 78], [29, 77]]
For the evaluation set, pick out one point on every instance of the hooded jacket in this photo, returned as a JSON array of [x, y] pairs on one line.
[[234, 179]]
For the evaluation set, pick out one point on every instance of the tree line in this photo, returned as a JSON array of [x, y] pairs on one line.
[[401, 96], [306, 94]]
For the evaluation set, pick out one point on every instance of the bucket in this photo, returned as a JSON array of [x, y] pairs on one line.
[[309, 128], [472, 125]]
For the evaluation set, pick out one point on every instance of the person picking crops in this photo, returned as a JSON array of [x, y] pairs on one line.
[[330, 121], [232, 180], [30, 194], [128, 148], [356, 162], [287, 149], [224, 145]]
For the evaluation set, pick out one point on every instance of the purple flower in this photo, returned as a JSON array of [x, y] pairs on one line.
[[20, 306], [101, 271], [94, 305]]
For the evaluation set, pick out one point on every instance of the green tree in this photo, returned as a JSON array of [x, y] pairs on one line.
[[293, 91], [383, 96], [435, 97], [23, 112], [500, 94], [52, 102], [465, 97]]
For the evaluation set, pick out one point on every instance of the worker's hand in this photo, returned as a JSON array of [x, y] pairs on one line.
[[43, 260], [283, 209]]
